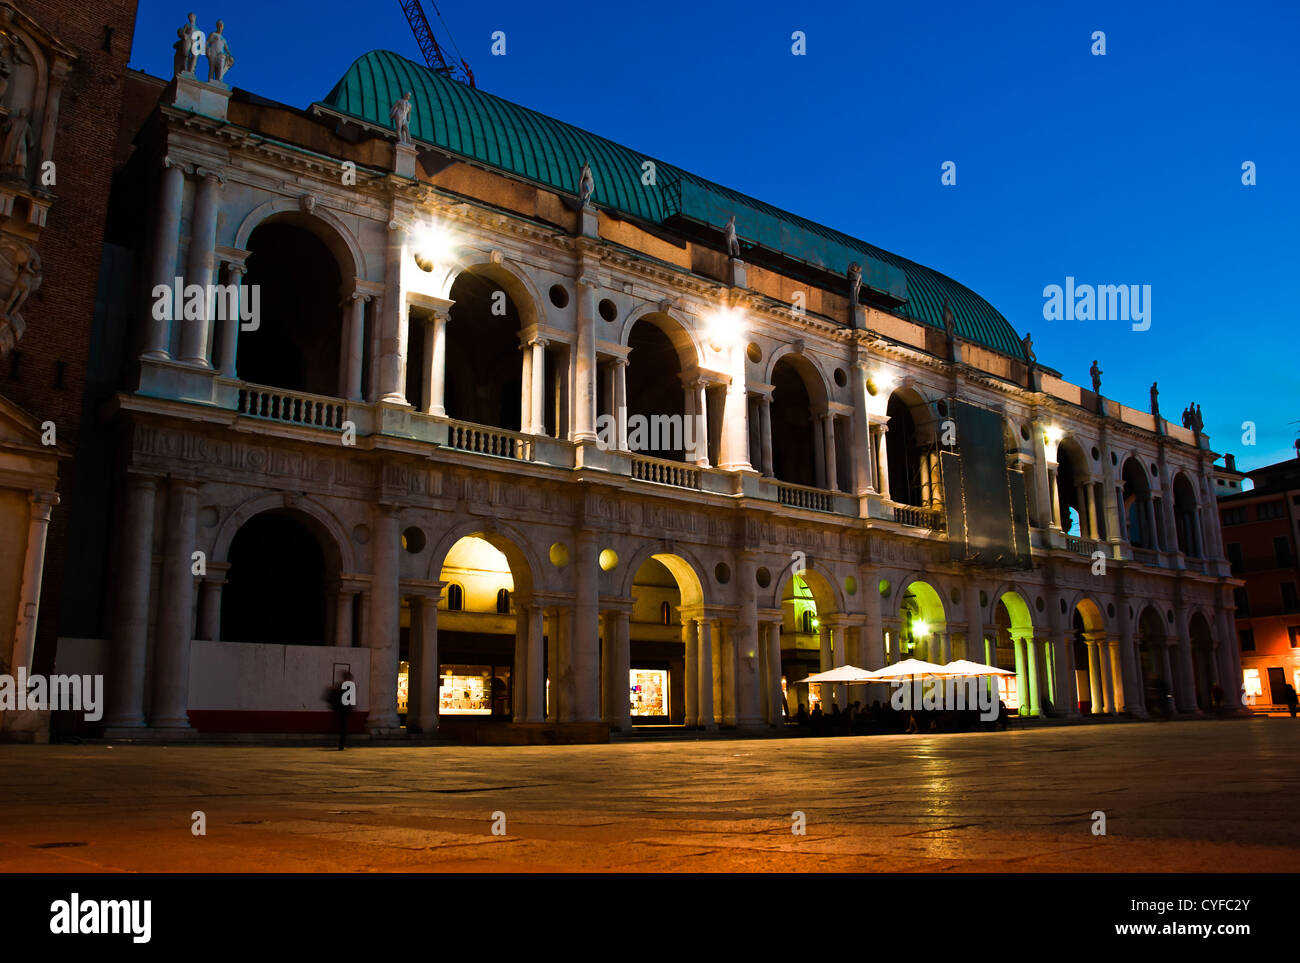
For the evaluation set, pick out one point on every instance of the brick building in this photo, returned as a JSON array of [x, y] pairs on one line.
[[61, 71], [1261, 535]]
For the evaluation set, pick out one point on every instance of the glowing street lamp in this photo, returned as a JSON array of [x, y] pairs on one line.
[[724, 327]]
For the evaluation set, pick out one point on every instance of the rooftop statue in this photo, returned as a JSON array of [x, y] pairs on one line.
[[1096, 377], [220, 59], [1155, 400], [186, 57], [855, 284], [733, 242], [400, 114], [586, 185]]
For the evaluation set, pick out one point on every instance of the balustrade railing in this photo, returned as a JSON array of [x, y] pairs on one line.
[[489, 441], [663, 472], [1080, 546], [1146, 556], [919, 517], [291, 407], [801, 496]]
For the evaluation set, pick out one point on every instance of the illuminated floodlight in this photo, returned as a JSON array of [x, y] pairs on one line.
[[725, 327], [433, 244], [920, 628]]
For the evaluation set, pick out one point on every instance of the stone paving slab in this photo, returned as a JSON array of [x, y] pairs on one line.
[[1203, 796]]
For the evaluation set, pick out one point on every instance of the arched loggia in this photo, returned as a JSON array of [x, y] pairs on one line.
[[299, 287]]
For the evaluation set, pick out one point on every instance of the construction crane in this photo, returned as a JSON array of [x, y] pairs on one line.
[[433, 54]]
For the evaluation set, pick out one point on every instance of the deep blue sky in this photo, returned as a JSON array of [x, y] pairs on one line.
[[1122, 169]]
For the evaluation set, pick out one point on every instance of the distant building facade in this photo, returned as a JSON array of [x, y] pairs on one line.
[[1261, 534], [511, 445]]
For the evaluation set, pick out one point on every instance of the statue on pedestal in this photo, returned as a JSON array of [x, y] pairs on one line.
[[17, 142], [1155, 400], [220, 59], [186, 58], [855, 284], [400, 115], [950, 322], [586, 185], [733, 242], [1096, 377], [1031, 359]]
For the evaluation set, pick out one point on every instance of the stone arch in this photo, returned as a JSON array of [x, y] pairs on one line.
[[815, 379], [928, 592], [337, 541], [826, 592], [512, 276], [674, 325], [1092, 614], [321, 221], [684, 566], [525, 566]]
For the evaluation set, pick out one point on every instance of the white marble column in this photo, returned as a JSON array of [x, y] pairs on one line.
[[210, 603], [584, 648], [343, 618], [230, 326], [828, 446], [620, 402], [765, 433], [775, 698], [691, 633], [705, 675], [392, 325], [1110, 648], [619, 713], [882, 461], [426, 713], [1055, 492], [1107, 680], [537, 377], [171, 665], [535, 689], [199, 267], [354, 346], [584, 374], [29, 602], [383, 625], [1094, 678], [733, 450], [166, 245], [1093, 530]]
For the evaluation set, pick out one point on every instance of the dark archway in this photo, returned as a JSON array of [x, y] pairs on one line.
[[1137, 495], [655, 395], [275, 589], [300, 320], [484, 378], [794, 430], [906, 454], [1071, 490], [1185, 517]]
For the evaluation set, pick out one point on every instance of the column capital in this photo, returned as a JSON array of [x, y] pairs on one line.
[[587, 281], [208, 174], [169, 162]]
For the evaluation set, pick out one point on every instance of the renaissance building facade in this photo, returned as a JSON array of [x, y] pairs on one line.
[[518, 425]]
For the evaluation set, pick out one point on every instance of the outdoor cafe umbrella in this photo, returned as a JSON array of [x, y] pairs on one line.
[[965, 667], [907, 669], [842, 675]]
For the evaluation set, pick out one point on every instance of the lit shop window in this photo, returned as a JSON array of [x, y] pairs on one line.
[[403, 687], [474, 690], [1008, 692], [1253, 686], [649, 692]]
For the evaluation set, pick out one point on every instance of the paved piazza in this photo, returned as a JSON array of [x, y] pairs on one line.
[[1186, 796]]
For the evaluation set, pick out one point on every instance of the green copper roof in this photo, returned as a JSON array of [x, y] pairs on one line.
[[491, 131]]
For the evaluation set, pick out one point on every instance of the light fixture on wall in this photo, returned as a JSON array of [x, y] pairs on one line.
[[920, 629]]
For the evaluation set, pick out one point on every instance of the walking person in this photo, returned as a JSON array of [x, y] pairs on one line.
[[342, 696], [1289, 697]]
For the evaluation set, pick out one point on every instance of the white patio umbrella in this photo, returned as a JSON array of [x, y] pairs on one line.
[[841, 675], [965, 667], [907, 669]]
